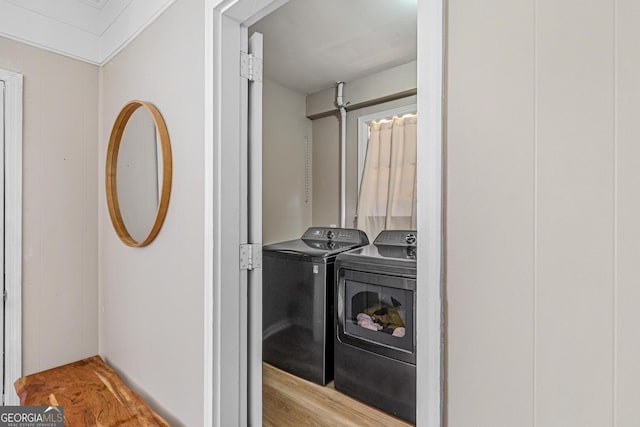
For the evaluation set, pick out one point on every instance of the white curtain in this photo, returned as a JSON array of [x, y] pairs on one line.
[[387, 198]]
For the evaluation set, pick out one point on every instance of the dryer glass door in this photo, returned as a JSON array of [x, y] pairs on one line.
[[377, 313]]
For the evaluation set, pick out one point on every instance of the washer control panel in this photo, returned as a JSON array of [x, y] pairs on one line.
[[397, 238], [342, 235]]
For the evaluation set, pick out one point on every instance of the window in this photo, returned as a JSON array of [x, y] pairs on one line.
[[387, 171]]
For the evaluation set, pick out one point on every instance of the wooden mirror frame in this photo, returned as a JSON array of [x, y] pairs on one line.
[[112, 168]]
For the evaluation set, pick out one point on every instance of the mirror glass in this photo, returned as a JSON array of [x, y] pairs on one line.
[[138, 173]]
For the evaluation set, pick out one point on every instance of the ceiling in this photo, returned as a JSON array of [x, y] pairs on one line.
[[311, 44], [89, 30]]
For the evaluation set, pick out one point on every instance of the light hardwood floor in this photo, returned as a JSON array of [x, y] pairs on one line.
[[289, 401]]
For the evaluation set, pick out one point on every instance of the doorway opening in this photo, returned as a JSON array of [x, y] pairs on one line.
[[226, 289], [311, 177]]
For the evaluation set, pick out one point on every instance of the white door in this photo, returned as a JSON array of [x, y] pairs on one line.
[[252, 179], [255, 232]]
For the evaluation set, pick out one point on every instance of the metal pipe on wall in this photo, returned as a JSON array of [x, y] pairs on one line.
[[343, 155]]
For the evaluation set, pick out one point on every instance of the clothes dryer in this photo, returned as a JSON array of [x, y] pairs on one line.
[[375, 340]]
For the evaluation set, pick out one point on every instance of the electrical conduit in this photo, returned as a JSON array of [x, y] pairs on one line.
[[343, 155]]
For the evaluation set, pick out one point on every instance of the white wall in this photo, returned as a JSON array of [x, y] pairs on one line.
[[326, 172], [286, 138], [626, 237], [542, 244], [151, 298], [60, 200]]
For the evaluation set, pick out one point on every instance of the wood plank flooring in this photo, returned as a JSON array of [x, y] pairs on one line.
[[289, 401]]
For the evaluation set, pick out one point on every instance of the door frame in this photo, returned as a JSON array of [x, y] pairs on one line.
[[12, 231], [224, 375]]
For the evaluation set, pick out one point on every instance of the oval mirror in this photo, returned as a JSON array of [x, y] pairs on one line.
[[138, 173]]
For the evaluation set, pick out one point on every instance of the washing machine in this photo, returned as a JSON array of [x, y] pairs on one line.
[[375, 339], [298, 296]]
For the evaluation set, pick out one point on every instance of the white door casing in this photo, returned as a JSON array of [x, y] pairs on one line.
[[222, 352], [12, 119], [430, 177]]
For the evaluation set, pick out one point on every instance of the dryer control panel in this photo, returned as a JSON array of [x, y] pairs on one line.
[[407, 238], [342, 235]]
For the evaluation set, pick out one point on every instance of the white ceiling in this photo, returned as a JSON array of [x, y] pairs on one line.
[[95, 3], [89, 30], [311, 44]]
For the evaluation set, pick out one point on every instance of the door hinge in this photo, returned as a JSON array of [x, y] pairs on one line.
[[250, 256], [250, 67]]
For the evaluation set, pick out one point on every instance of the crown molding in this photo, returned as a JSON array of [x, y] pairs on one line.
[[93, 31]]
